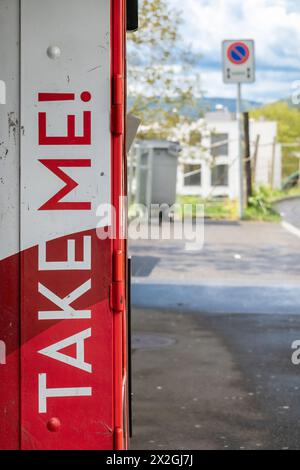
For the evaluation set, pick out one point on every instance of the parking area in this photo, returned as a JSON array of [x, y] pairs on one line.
[[212, 341]]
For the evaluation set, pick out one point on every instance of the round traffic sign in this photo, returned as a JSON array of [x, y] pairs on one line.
[[238, 53]]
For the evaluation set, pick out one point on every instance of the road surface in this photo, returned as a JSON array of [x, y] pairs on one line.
[[213, 334], [209, 381], [290, 210]]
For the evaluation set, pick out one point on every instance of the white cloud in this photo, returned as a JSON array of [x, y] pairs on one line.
[[273, 24]]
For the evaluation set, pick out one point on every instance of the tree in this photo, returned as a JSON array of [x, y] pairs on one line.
[[160, 84], [288, 120]]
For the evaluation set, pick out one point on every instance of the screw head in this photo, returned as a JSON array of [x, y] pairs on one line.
[[53, 425], [53, 52]]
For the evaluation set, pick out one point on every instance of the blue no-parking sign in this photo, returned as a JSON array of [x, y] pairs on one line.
[[238, 61]]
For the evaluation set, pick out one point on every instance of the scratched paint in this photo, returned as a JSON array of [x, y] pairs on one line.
[[13, 125]]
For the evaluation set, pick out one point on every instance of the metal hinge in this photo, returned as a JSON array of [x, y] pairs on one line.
[[117, 296], [117, 288], [117, 109]]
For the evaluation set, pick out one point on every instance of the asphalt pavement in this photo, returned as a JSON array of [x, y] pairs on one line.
[[290, 210], [209, 381], [253, 253], [213, 334]]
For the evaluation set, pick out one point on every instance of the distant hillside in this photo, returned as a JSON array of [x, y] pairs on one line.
[[203, 105], [209, 104]]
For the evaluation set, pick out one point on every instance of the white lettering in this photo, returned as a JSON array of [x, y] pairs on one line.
[[67, 312], [71, 263], [45, 392], [78, 339]]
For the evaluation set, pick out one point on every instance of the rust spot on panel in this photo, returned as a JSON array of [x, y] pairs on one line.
[[13, 124], [4, 154]]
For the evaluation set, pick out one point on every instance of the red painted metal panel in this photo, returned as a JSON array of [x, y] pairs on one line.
[[9, 367], [63, 299], [118, 189], [83, 422]]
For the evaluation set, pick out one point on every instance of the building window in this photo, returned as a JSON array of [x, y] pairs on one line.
[[195, 137], [193, 175], [219, 175], [219, 150]]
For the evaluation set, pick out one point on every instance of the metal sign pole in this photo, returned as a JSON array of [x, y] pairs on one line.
[[240, 151], [239, 67]]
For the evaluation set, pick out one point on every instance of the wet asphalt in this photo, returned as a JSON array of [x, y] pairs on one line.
[[290, 210], [220, 382], [218, 377]]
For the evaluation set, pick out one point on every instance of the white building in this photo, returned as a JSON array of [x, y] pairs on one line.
[[211, 169]]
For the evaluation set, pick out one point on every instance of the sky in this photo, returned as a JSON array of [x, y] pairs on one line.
[[273, 24]]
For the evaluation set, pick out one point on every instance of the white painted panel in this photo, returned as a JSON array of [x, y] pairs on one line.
[[65, 48], [9, 128]]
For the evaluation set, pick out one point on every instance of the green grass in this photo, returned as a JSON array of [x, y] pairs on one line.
[[276, 195], [221, 210], [213, 208], [261, 215], [254, 215], [260, 207]]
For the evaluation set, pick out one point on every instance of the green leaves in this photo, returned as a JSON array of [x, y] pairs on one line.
[[288, 120], [159, 85], [260, 206]]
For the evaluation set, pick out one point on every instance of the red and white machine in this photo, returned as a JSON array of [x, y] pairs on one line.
[[63, 350]]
